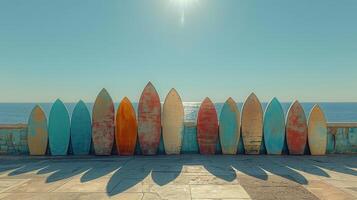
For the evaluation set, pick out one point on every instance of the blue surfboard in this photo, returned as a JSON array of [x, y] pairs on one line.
[[58, 129], [229, 127], [81, 129], [274, 127]]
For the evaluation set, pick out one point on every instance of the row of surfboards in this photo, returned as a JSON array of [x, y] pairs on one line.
[[105, 129]]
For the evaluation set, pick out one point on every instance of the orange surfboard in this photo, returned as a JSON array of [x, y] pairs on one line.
[[126, 128]]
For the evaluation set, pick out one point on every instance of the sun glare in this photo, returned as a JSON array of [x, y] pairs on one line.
[[183, 5]]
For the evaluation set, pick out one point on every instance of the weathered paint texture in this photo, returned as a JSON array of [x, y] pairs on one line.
[[103, 124], [207, 127], [296, 129], [229, 127], [189, 141], [330, 146], [149, 120], [274, 128], [352, 138], [126, 128], [345, 140], [37, 133], [59, 129], [252, 125], [81, 129], [172, 122], [317, 131], [341, 141]]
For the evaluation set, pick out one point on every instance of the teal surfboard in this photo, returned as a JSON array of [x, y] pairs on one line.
[[59, 129], [274, 127], [81, 129], [229, 127]]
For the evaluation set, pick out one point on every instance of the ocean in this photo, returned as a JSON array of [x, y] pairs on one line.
[[14, 113]]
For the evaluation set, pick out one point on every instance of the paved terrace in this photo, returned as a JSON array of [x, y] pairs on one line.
[[179, 177]]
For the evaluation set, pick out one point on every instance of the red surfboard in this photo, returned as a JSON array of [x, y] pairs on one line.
[[149, 120], [296, 129], [207, 127]]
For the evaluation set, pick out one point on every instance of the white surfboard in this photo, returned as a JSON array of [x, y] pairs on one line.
[[172, 122]]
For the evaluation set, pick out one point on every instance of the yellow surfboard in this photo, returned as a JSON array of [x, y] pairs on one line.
[[317, 131], [37, 134]]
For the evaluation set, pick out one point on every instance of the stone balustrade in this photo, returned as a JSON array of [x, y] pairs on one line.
[[342, 138]]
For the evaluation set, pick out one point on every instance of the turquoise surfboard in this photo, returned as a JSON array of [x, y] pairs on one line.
[[229, 127], [81, 129], [274, 127], [58, 129]]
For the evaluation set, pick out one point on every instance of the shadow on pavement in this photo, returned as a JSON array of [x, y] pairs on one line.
[[125, 173]]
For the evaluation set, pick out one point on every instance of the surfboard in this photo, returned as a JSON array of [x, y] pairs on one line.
[[103, 124], [126, 128], [81, 129], [274, 128], [317, 131], [59, 129], [172, 122], [252, 124], [149, 120], [37, 134], [207, 127], [229, 127], [296, 129]]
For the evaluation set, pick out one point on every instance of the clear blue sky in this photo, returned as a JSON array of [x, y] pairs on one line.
[[291, 49]]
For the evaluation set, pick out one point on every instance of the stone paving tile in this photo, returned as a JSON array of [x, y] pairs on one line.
[[340, 176], [37, 185], [151, 196], [70, 196], [162, 178], [326, 191], [218, 191], [128, 185], [350, 190], [343, 183], [169, 191], [274, 187], [6, 184], [179, 177], [226, 199], [102, 184]]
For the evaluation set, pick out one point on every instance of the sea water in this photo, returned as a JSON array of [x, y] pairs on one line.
[[13, 113]]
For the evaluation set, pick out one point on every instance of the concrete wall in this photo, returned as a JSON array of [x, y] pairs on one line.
[[13, 139], [342, 139]]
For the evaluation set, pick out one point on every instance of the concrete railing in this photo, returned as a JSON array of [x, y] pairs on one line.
[[342, 138], [13, 139]]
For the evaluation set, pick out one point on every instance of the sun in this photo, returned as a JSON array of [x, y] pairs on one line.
[[183, 5]]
